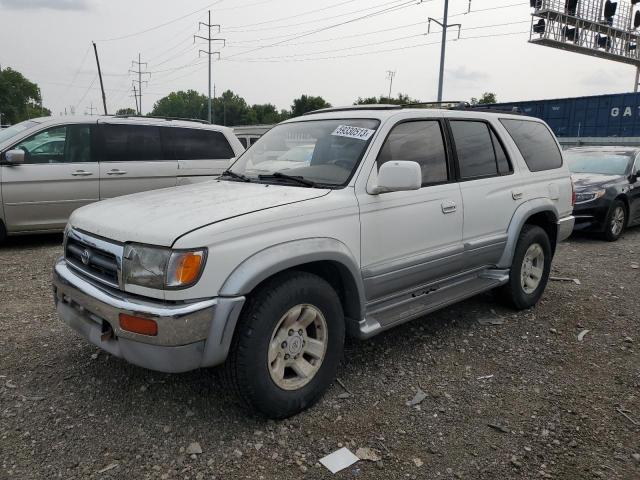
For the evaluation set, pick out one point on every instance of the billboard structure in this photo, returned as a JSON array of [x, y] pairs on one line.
[[599, 28]]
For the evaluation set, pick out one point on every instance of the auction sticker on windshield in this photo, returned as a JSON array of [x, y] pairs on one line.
[[353, 132]]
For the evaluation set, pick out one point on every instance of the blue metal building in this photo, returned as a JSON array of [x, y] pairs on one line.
[[599, 116]]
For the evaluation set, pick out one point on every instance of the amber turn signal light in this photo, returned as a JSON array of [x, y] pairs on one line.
[[143, 326], [185, 268]]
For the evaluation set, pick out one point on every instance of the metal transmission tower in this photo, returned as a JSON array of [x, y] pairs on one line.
[[445, 26], [209, 39], [390, 76], [139, 71], [598, 28]]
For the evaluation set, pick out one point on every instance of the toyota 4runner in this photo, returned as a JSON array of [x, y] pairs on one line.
[[343, 221]]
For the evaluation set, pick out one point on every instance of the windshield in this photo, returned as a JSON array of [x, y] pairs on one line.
[[604, 163], [318, 152], [7, 133]]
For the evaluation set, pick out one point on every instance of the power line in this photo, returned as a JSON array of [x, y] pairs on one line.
[[396, 49], [380, 12], [339, 4], [159, 26], [87, 91], [317, 20]]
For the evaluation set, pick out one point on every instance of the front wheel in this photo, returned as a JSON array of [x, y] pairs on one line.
[[615, 222], [530, 269], [287, 345]]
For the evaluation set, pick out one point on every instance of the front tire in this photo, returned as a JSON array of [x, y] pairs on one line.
[[287, 345], [616, 221], [529, 270]]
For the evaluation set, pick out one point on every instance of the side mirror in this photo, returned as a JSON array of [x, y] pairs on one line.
[[14, 157], [398, 176]]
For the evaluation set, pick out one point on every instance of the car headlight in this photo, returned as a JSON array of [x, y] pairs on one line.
[[159, 268], [582, 197]]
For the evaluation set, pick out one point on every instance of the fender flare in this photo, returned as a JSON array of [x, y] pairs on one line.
[[277, 258], [520, 217]]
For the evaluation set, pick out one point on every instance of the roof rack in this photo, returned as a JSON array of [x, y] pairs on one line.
[[369, 106], [446, 105], [196, 120]]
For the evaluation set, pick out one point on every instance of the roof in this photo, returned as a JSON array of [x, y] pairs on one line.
[[620, 149], [134, 119], [383, 112]]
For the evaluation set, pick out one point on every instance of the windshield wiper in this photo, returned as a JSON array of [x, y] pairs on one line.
[[239, 176], [284, 176]]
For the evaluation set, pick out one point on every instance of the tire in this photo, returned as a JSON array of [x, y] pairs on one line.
[[3, 232], [264, 329], [616, 221], [523, 290]]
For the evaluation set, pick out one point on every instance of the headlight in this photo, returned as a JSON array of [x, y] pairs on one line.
[[582, 197], [159, 268]]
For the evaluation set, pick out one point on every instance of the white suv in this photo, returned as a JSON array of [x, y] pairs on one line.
[[396, 212], [51, 166]]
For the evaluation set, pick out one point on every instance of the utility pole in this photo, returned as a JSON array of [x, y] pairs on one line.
[[91, 109], [390, 75], [135, 95], [139, 71], [209, 53], [445, 26], [104, 98]]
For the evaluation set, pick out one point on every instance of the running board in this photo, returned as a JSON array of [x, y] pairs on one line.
[[381, 317]]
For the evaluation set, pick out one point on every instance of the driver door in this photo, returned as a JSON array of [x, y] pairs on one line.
[[57, 176]]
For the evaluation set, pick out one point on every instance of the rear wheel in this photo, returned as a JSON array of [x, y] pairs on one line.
[[287, 345], [530, 268], [616, 221]]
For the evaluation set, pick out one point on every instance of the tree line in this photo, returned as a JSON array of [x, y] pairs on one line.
[[20, 99]]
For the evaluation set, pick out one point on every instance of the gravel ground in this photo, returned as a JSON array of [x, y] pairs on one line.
[[508, 395]]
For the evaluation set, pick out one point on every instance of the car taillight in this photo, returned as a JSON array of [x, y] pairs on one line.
[[573, 194]]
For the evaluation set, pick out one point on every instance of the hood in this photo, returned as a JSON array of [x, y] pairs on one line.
[[588, 180], [159, 217]]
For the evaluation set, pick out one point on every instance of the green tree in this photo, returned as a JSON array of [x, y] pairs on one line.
[[231, 109], [19, 98], [267, 114], [126, 111], [307, 103], [485, 99], [401, 99], [181, 104]]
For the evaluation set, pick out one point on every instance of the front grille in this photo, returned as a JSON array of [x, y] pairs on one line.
[[85, 255]]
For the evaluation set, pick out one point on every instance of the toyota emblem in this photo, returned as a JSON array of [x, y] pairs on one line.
[[86, 256]]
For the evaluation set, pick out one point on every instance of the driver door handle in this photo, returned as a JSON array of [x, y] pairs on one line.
[[115, 171], [81, 173], [448, 207]]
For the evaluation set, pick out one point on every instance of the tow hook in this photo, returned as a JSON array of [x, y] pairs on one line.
[[107, 332]]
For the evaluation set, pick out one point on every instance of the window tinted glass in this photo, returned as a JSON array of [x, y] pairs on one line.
[[504, 167], [474, 147], [536, 144], [130, 143], [418, 142], [67, 144], [195, 144]]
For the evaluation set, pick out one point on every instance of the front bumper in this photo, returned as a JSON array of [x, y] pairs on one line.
[[591, 216], [190, 335]]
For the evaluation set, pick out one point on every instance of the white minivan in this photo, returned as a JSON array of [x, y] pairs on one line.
[[51, 166]]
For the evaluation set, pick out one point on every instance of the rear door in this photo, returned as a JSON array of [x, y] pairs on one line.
[[59, 175], [202, 154], [489, 195], [132, 160]]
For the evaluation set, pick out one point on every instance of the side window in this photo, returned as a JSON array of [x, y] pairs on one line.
[[419, 141], [130, 143], [474, 147], [67, 144], [536, 144], [504, 167], [195, 144]]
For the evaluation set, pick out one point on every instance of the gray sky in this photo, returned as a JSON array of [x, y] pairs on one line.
[[49, 42]]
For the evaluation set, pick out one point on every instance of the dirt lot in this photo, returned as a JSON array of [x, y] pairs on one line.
[[519, 399]]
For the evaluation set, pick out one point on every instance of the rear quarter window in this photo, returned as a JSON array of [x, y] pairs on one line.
[[535, 142]]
